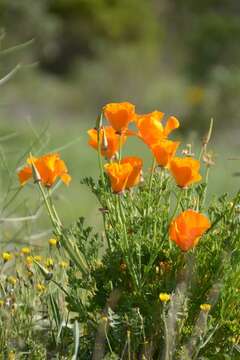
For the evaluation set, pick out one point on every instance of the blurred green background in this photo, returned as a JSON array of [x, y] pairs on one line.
[[179, 56]]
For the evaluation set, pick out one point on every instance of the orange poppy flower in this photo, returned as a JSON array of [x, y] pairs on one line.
[[125, 174], [49, 167], [187, 229], [135, 175], [185, 171], [164, 151], [119, 115], [112, 141], [151, 130]]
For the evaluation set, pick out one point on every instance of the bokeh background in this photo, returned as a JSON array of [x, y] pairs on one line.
[[73, 56]]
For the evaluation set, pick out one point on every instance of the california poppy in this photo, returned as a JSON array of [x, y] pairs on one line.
[[125, 174], [119, 115], [187, 229], [185, 171], [164, 151], [49, 167], [151, 129], [112, 141], [135, 175]]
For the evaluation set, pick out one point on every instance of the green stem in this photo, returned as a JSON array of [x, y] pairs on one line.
[[100, 164], [69, 246], [150, 183], [162, 173], [53, 208], [126, 247], [234, 203], [50, 211], [129, 344], [205, 190], [179, 198], [102, 177], [120, 148], [174, 213], [166, 354], [106, 233], [122, 220]]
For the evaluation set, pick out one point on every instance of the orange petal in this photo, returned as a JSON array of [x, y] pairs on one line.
[[172, 124], [66, 178], [24, 175], [119, 115], [164, 151], [187, 228]]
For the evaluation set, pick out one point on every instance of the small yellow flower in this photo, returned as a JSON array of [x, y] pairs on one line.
[[7, 256], [25, 250], [63, 264], [29, 260], [40, 287], [37, 258], [49, 262], [205, 307], [104, 318], [164, 297], [52, 242], [1, 303], [29, 273], [12, 280]]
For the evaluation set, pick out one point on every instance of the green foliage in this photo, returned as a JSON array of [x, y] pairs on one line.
[[124, 283]]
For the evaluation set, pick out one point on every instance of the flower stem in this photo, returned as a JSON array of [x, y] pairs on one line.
[[150, 183], [120, 148], [205, 189], [179, 198], [100, 164], [50, 211], [53, 208]]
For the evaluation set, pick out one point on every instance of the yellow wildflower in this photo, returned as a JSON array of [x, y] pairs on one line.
[[52, 242], [1, 303], [40, 287], [12, 280], [63, 264], [164, 297], [29, 273], [37, 258], [29, 260], [7, 256], [25, 250], [205, 307], [49, 262]]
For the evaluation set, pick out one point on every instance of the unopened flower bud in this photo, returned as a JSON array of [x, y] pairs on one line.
[[104, 142], [35, 173], [205, 307]]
